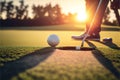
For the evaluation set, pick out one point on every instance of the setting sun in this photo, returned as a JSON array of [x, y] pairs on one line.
[[81, 17]]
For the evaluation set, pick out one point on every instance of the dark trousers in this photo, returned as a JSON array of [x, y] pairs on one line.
[[91, 6]]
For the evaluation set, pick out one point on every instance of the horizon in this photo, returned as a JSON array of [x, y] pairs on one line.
[[78, 6]]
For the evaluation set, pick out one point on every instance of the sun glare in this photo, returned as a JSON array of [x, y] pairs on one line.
[[81, 17]]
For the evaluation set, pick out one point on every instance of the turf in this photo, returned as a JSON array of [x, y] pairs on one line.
[[8, 54], [18, 42]]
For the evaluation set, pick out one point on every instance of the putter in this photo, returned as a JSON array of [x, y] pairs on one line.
[[82, 44]]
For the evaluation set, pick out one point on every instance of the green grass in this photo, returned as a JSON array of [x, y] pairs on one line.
[[16, 43], [113, 55], [13, 53], [64, 72]]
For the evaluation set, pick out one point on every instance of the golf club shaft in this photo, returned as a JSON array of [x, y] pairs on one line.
[[91, 23]]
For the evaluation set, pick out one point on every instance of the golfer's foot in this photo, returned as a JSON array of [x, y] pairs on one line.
[[95, 37]]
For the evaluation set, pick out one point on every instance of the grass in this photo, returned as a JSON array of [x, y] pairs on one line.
[[12, 53], [64, 72], [113, 55], [16, 43]]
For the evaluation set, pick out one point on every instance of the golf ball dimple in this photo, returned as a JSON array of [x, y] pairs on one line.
[[77, 47]]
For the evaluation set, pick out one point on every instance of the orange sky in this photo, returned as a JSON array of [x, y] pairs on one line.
[[73, 6]]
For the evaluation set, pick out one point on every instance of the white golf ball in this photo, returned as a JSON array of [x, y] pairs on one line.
[[53, 40], [77, 47]]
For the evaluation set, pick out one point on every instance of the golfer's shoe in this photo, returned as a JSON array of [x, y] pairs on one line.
[[89, 37]]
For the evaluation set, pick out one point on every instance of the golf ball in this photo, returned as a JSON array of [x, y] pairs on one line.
[[53, 40]]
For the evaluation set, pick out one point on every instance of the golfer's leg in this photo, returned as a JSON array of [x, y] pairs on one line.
[[98, 20], [91, 6]]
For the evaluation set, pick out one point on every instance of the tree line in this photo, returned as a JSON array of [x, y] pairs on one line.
[[42, 15]]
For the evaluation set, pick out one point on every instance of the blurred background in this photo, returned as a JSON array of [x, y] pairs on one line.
[[47, 12]]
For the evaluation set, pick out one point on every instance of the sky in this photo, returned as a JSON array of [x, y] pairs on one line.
[[66, 5], [72, 6]]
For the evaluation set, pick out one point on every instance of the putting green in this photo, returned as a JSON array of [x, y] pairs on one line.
[[102, 63], [39, 38], [58, 64]]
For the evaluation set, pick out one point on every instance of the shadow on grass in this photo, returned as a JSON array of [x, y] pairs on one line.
[[31, 60], [110, 45], [104, 61]]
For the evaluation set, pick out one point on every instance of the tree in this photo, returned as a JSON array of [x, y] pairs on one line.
[[57, 13], [21, 11], [10, 9], [38, 11], [2, 8], [49, 10], [106, 16]]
